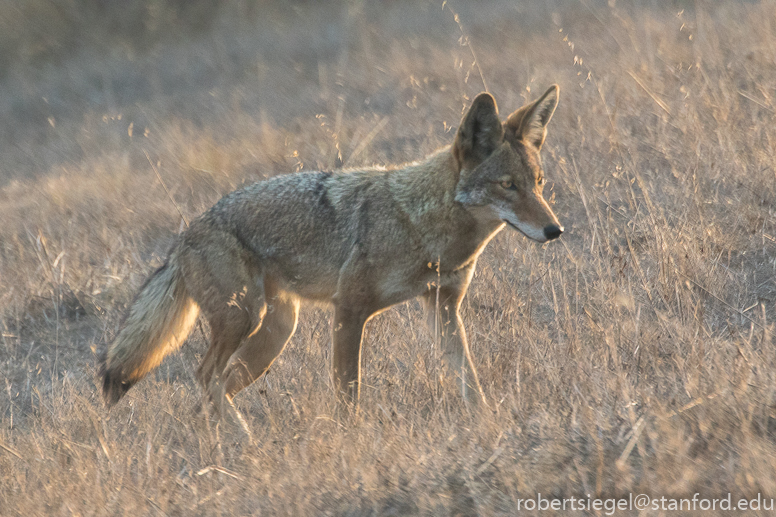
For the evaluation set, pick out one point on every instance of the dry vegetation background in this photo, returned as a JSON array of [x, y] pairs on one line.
[[636, 354]]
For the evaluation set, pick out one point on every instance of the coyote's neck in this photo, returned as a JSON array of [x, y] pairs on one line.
[[425, 191], [427, 185]]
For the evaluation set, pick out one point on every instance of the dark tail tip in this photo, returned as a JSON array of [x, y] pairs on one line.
[[113, 385], [113, 388]]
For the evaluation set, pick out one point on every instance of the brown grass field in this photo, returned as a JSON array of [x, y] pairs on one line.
[[634, 355]]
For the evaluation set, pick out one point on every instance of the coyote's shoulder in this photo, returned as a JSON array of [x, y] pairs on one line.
[[362, 240]]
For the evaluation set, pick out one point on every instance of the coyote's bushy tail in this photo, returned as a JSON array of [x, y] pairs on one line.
[[158, 322]]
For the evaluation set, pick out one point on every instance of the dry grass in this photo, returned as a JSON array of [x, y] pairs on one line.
[[634, 355]]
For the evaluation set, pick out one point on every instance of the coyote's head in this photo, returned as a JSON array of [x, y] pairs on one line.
[[501, 177]]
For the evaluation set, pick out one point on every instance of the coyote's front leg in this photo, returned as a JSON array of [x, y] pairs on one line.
[[347, 334], [444, 320]]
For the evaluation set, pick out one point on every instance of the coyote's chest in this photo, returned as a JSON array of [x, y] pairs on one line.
[[459, 249]]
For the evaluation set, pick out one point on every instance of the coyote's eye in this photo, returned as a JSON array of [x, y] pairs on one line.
[[542, 181], [508, 185]]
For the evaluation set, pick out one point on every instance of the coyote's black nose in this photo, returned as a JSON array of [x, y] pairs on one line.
[[552, 231]]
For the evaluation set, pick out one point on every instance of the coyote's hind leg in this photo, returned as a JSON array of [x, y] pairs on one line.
[[222, 278], [259, 349]]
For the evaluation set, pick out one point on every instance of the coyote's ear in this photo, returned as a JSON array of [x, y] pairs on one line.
[[479, 133], [529, 123]]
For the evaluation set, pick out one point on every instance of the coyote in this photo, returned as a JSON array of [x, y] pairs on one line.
[[362, 240]]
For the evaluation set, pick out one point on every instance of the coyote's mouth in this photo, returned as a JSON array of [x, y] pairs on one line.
[[521, 231], [515, 227]]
